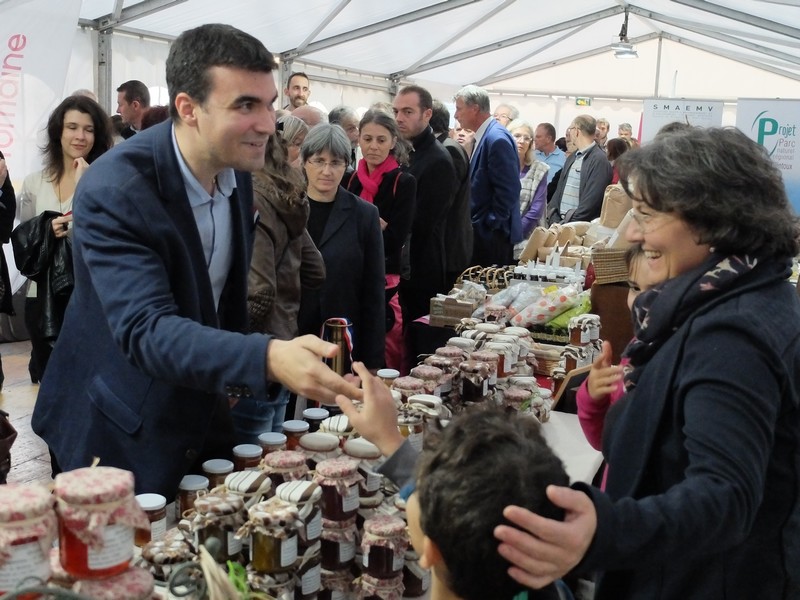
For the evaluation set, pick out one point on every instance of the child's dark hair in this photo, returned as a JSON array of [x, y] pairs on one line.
[[480, 463]]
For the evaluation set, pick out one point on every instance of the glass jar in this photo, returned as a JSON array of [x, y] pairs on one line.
[[558, 375], [454, 353], [416, 579], [132, 584], [490, 358], [308, 578], [515, 397], [315, 416], [408, 386], [27, 528], [246, 457], [306, 496], [252, 486], [293, 430], [383, 546], [286, 465], [276, 585], [188, 489], [272, 526], [155, 507], [338, 544], [371, 588], [336, 585], [474, 380], [388, 376], [411, 427], [338, 425], [338, 478], [216, 470], [97, 517], [430, 377], [161, 557], [271, 441], [369, 458], [466, 345], [319, 446], [219, 516], [578, 331], [507, 357]]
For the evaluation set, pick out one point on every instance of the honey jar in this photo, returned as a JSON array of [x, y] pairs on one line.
[[338, 544], [338, 478], [27, 528], [246, 457], [188, 489], [383, 546], [97, 517], [272, 526], [285, 465], [219, 516], [155, 507], [306, 496], [132, 584], [216, 470], [293, 430], [271, 441]]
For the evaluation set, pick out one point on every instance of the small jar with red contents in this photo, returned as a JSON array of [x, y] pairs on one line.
[[219, 516], [338, 544], [339, 479], [408, 386], [27, 528], [285, 465], [133, 584], [246, 457], [294, 429], [383, 546], [98, 514], [371, 588], [430, 377], [271, 441], [273, 526]]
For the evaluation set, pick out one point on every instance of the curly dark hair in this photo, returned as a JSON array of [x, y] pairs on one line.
[[52, 150], [481, 462], [722, 184]]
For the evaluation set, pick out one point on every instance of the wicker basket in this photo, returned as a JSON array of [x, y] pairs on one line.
[[609, 265]]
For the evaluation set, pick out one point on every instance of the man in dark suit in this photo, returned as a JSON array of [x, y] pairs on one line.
[[494, 177], [133, 100], [154, 348]]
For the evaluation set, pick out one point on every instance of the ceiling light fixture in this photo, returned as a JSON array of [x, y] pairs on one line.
[[623, 48]]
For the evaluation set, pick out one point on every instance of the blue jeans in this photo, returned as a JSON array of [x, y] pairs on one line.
[[253, 417]]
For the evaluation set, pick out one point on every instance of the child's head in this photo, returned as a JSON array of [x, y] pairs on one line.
[[481, 462], [640, 278]]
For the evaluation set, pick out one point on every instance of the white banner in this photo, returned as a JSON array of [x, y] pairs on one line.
[[775, 124], [657, 112], [35, 43]]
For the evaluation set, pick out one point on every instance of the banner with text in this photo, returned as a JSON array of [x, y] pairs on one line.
[[658, 112], [35, 44], [775, 124]]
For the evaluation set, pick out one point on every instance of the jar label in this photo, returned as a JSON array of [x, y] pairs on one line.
[[314, 527], [312, 581], [338, 595], [26, 560], [158, 529], [373, 481], [234, 544], [289, 551], [350, 501], [117, 547], [347, 551], [415, 439], [398, 560]]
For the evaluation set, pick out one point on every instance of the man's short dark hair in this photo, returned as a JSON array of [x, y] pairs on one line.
[[483, 461], [440, 119], [215, 45], [296, 74], [549, 130], [135, 90], [425, 98]]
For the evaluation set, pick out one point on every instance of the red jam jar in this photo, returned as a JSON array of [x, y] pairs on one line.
[[306, 496], [155, 507], [285, 465], [219, 516], [246, 457], [294, 430], [339, 479], [133, 584], [338, 544], [216, 470], [188, 490], [98, 514], [383, 546], [271, 441], [408, 386], [273, 527], [430, 377], [28, 526]]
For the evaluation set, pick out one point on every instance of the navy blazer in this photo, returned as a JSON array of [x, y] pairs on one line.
[[140, 372], [494, 173]]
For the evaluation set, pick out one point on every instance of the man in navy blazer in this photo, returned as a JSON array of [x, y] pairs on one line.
[[154, 347], [494, 176]]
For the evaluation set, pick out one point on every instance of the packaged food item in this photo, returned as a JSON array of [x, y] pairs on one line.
[[383, 546], [219, 517], [272, 526], [339, 479], [155, 507]]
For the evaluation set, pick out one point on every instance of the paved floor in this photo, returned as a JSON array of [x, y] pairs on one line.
[[29, 458]]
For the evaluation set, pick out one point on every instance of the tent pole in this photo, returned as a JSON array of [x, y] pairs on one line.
[[658, 66], [104, 61]]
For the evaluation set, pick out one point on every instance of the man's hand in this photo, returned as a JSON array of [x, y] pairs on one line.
[[377, 421], [544, 550], [298, 365]]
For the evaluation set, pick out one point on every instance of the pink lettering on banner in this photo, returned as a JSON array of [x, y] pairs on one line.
[[10, 77]]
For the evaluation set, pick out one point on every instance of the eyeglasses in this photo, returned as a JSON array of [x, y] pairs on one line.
[[523, 137], [501, 116], [648, 223], [319, 163]]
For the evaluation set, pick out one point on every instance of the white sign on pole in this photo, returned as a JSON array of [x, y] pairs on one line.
[[658, 112]]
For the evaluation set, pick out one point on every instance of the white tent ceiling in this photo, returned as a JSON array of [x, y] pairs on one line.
[[511, 46]]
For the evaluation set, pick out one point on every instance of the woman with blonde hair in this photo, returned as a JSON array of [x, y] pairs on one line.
[[533, 181]]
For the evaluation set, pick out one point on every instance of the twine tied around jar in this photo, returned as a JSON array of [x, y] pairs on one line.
[[88, 520]]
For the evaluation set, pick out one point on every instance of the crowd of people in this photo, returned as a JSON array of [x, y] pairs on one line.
[[183, 309]]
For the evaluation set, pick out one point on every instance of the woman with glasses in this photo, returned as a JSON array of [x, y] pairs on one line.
[[533, 181], [347, 231]]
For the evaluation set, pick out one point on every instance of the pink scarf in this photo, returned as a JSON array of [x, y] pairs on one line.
[[371, 181]]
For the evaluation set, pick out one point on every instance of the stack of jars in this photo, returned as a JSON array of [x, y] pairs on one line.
[[383, 548]]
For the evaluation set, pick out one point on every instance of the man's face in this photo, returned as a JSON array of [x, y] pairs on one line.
[[129, 111], [601, 131], [411, 119], [467, 114], [298, 91], [237, 118], [624, 134], [350, 126], [502, 115], [541, 141]]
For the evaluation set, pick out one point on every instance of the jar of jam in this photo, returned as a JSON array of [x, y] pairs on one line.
[[285, 465], [383, 546], [27, 528], [336, 585], [216, 470], [410, 425], [252, 486], [490, 358], [155, 507], [371, 588], [132, 584], [338, 544], [558, 375], [319, 446], [454, 353], [161, 557], [274, 585], [516, 397], [308, 578], [315, 416], [271, 441], [488, 328], [306, 496], [188, 490], [388, 376], [578, 331], [507, 357], [272, 526], [369, 459], [466, 345], [408, 386], [416, 579], [594, 326], [430, 377], [474, 380], [338, 425], [219, 516], [294, 430], [246, 457], [98, 515], [338, 478]]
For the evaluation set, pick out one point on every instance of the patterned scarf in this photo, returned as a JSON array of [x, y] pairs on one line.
[[659, 312], [371, 181]]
